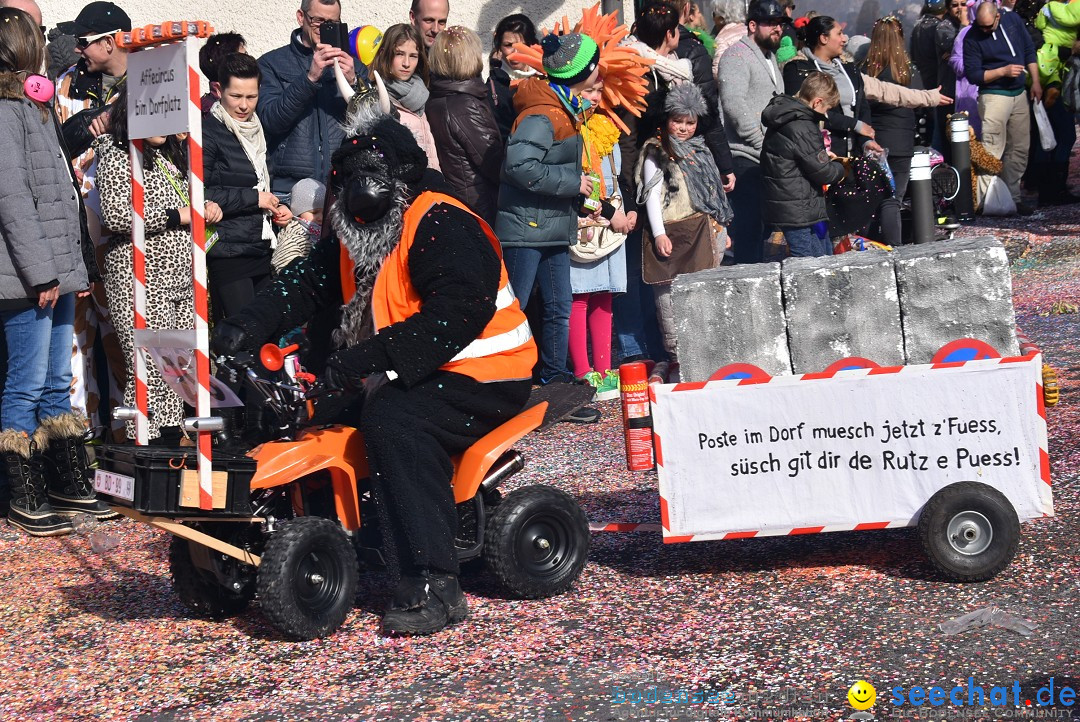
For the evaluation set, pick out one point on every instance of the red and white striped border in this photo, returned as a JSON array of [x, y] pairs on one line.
[[138, 254], [664, 526], [198, 236]]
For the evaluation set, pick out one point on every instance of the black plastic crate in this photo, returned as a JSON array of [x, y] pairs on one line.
[[158, 470]]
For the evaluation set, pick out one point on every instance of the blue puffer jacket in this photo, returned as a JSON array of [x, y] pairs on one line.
[[301, 119]]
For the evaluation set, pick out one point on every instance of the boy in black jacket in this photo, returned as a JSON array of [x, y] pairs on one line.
[[795, 165]]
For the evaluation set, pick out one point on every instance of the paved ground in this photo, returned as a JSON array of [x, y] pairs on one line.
[[767, 628]]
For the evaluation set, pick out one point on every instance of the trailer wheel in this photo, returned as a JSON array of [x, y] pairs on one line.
[[307, 578], [970, 531], [198, 588], [537, 542]]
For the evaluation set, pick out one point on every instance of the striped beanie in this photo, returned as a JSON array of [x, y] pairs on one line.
[[571, 58]]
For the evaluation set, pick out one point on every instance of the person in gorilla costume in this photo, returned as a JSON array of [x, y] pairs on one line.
[[431, 341]]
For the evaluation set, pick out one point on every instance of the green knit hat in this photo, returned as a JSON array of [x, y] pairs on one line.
[[571, 58]]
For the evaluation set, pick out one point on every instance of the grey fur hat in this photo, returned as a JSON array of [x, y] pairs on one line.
[[685, 99]]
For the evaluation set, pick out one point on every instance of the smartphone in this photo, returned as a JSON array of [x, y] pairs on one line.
[[335, 34]]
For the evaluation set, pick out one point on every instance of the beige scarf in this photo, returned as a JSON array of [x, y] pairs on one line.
[[253, 140]]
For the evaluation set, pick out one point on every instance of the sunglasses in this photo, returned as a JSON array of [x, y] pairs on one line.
[[86, 41]]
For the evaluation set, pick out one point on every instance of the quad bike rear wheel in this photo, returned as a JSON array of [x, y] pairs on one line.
[[970, 531], [537, 542], [307, 578], [199, 588]]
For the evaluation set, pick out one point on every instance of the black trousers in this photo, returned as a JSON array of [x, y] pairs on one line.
[[230, 296], [411, 434], [747, 230]]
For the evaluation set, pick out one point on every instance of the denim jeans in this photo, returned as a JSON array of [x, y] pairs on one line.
[[747, 227], [549, 268], [635, 311], [805, 242], [38, 383]]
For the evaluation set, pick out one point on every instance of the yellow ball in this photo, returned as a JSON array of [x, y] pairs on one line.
[[364, 42], [862, 695]]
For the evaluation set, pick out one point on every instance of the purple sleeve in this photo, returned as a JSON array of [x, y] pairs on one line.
[[956, 60]]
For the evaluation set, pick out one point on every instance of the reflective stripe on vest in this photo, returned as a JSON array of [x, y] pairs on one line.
[[503, 351]]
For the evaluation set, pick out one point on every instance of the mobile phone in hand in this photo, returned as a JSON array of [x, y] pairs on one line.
[[335, 34]]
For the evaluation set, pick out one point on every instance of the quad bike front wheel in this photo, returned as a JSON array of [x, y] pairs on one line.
[[307, 578], [200, 589], [970, 531], [537, 542]]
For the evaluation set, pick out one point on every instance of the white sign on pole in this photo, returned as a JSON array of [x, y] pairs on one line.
[[856, 449], [157, 86]]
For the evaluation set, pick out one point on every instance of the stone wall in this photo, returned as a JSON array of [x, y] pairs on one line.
[[890, 307]]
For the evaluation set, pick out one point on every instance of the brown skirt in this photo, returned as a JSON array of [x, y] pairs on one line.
[[691, 250]]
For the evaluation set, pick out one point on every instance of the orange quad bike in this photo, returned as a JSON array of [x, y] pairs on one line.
[[292, 517]]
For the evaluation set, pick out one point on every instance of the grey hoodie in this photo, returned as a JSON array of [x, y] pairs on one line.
[[748, 80]]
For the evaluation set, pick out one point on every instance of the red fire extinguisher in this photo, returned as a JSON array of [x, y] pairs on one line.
[[637, 416]]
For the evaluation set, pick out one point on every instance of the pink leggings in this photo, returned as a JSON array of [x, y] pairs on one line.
[[590, 315]]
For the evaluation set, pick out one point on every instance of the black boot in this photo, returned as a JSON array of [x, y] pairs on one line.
[[29, 508], [425, 603], [71, 490]]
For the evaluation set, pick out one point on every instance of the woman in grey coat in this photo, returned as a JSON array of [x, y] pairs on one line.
[[41, 270]]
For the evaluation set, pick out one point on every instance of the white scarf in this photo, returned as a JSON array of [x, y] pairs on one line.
[[253, 141]]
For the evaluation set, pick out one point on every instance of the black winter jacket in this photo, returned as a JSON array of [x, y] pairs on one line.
[[895, 127], [230, 182], [710, 126], [501, 98], [466, 135], [794, 164], [302, 120], [839, 125]]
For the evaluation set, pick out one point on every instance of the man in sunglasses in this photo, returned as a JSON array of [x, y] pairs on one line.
[[83, 94], [999, 58]]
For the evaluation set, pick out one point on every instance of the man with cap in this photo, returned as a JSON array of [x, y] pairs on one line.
[[434, 348], [749, 77], [82, 95], [543, 188]]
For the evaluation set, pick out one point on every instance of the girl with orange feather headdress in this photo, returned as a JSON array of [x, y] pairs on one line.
[[598, 260]]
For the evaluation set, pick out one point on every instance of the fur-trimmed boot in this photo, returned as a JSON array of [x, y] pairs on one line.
[[70, 485], [29, 508]]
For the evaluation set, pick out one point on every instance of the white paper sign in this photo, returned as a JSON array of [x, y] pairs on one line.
[[853, 449], [172, 352], [157, 86]]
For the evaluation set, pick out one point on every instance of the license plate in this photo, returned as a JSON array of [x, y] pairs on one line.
[[114, 484]]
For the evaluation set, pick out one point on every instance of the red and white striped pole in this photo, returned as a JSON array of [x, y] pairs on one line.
[[198, 267], [138, 252]]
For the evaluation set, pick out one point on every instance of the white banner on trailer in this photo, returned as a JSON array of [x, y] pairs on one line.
[[858, 448]]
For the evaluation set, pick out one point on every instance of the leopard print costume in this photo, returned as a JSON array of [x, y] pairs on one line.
[[170, 300]]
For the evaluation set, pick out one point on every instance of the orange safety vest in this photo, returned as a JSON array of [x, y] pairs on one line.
[[504, 351]]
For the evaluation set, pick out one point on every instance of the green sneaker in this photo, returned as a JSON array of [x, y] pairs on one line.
[[593, 378], [608, 388]]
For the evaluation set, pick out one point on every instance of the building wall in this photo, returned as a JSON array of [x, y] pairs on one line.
[[266, 24]]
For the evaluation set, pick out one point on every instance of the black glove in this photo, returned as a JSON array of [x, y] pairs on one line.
[[229, 339], [76, 130], [336, 378]]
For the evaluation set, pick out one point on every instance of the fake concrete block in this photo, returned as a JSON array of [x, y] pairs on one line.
[[730, 315], [955, 289], [839, 306]]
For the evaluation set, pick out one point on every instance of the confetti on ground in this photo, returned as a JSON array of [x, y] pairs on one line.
[[768, 628]]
